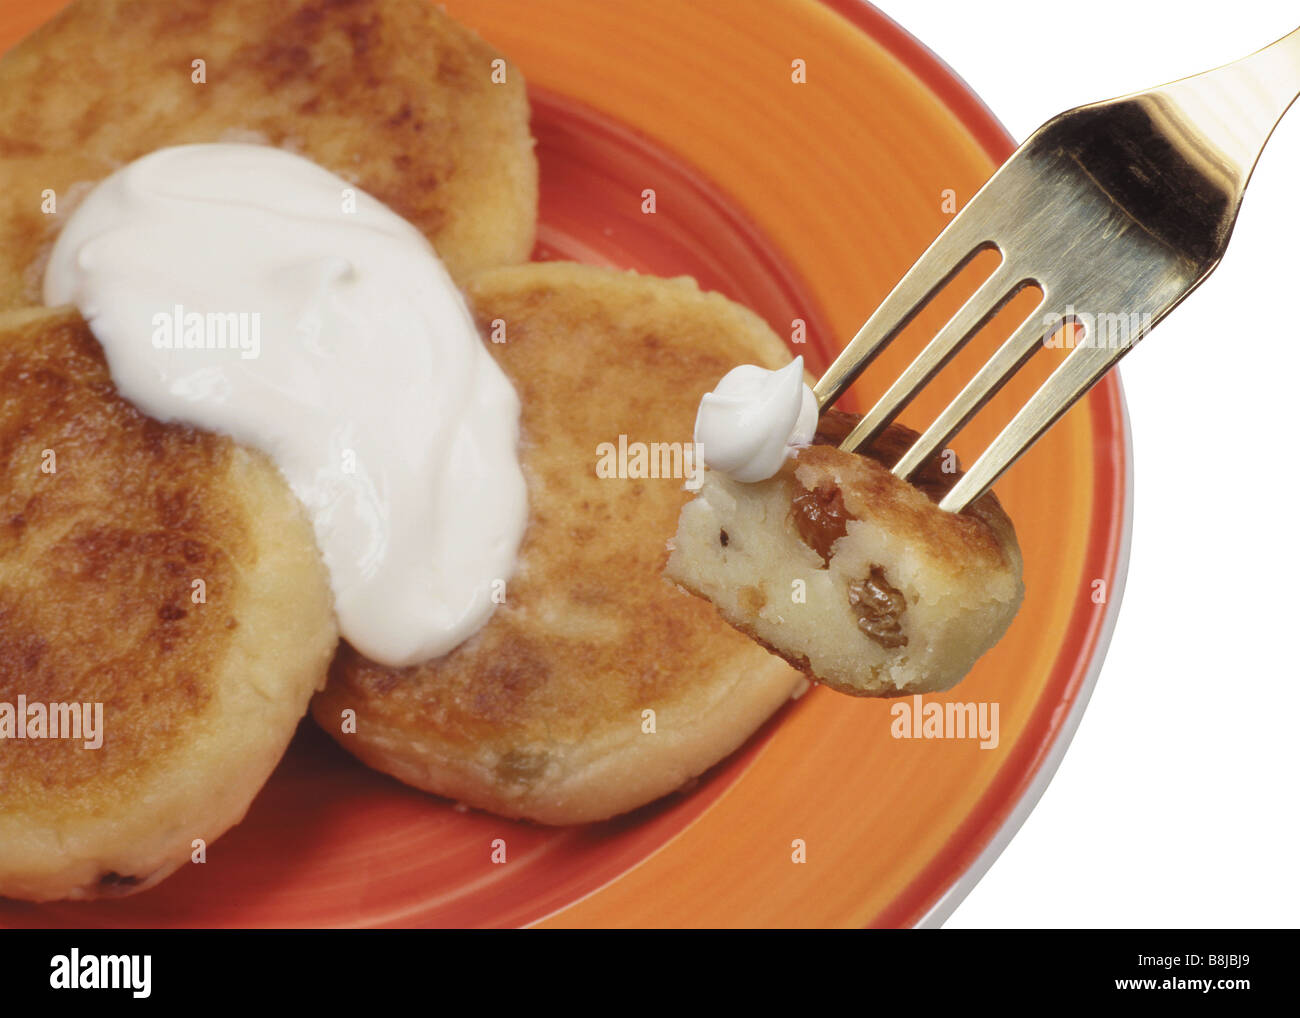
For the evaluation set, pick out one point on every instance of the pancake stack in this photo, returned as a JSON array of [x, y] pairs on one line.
[[168, 574]]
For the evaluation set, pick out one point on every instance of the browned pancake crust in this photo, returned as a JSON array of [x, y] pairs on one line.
[[590, 634], [98, 559], [96, 564], [390, 94]]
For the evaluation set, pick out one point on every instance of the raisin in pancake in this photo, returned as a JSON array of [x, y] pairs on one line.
[[390, 94], [107, 519], [898, 596], [540, 714]]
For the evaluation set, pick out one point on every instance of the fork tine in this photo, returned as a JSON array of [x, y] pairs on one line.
[[990, 378], [1071, 379], [942, 260], [991, 296], [1135, 198]]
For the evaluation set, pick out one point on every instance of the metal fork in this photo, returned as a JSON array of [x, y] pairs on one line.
[[1119, 209]]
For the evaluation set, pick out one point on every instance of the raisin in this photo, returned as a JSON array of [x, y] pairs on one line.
[[880, 607], [820, 517], [724, 538], [116, 881], [521, 767]]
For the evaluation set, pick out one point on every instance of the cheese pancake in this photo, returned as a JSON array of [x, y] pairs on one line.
[[391, 95], [545, 713], [165, 574], [897, 596]]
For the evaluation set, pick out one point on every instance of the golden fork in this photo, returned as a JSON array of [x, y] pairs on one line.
[[1116, 211]]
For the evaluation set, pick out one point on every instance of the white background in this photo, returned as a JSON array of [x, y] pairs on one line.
[[1176, 804]]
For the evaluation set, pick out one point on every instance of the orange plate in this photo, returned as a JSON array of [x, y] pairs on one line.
[[805, 201]]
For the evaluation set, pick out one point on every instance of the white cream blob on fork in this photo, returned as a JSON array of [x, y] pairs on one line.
[[754, 418], [248, 291]]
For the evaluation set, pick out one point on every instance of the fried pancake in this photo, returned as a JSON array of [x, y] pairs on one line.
[[392, 95], [108, 519], [852, 575], [541, 714]]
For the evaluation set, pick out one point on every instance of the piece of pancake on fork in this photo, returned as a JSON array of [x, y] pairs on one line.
[[851, 574], [596, 686]]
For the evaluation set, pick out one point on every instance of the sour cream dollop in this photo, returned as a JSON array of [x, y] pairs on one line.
[[246, 290], [754, 418]]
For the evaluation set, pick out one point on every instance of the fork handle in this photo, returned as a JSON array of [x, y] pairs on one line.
[[1277, 69], [1238, 105]]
